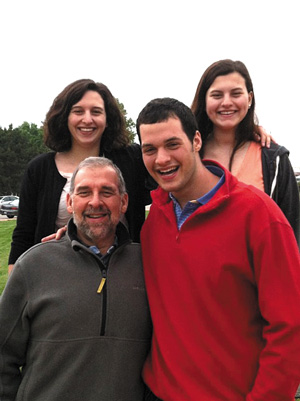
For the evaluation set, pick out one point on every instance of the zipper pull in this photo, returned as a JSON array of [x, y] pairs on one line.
[[101, 285]]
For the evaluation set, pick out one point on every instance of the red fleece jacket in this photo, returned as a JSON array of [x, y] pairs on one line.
[[224, 294]]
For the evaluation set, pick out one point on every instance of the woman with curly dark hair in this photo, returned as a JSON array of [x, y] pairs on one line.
[[84, 120]]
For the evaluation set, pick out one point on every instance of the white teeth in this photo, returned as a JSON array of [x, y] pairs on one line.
[[170, 170], [226, 112], [86, 129], [96, 216]]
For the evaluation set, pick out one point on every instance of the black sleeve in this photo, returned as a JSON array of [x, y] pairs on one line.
[[286, 193], [23, 235]]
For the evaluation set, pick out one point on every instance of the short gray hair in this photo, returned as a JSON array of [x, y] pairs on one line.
[[93, 162]]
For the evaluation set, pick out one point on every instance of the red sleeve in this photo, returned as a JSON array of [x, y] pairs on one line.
[[277, 271]]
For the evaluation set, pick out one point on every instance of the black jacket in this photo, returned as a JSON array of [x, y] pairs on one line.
[[280, 183], [41, 190]]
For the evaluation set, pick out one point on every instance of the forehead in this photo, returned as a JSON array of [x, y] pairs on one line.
[[233, 79], [96, 176], [161, 131], [91, 97]]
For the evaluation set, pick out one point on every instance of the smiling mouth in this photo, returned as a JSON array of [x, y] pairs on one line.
[[86, 130], [226, 113], [169, 171], [96, 215]]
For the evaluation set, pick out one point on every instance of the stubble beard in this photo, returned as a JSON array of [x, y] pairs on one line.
[[97, 232]]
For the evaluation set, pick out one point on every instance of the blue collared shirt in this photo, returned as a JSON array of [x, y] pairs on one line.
[[105, 258], [191, 206]]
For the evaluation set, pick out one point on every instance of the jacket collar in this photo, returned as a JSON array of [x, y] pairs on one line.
[[121, 233]]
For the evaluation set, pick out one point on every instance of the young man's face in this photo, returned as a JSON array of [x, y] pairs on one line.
[[96, 204], [170, 157]]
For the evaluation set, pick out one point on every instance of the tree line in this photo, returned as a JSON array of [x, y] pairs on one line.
[[19, 145]]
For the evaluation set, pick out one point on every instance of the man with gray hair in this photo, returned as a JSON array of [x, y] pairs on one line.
[[74, 318]]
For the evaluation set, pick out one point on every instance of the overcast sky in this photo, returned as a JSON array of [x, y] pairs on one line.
[[146, 49]]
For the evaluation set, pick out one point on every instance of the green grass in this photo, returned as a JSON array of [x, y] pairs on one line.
[[6, 229]]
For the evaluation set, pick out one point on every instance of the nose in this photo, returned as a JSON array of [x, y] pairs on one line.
[[87, 117], [96, 200], [162, 157], [226, 100]]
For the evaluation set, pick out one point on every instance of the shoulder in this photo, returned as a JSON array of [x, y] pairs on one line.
[[44, 252], [273, 151], [129, 160], [132, 151], [42, 160], [259, 204], [42, 170]]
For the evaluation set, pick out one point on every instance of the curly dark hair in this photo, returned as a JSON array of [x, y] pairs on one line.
[[248, 127], [56, 132]]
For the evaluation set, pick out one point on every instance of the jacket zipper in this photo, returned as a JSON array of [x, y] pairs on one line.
[[102, 288], [104, 301]]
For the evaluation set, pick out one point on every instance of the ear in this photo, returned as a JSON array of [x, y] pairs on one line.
[[250, 98], [124, 203], [69, 203], [197, 141]]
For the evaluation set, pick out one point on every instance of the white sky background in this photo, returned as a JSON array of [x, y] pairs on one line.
[[146, 49]]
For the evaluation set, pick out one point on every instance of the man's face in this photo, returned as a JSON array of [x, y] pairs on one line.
[[96, 204], [171, 158]]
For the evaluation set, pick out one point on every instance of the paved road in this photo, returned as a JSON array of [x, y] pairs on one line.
[[5, 218]]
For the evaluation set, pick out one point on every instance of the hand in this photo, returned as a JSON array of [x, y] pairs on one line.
[[263, 137], [10, 268], [58, 235]]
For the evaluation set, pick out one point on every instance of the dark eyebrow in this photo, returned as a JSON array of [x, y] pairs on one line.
[[82, 188], [86, 187], [145, 145], [93, 107], [237, 88], [108, 187], [216, 91], [173, 138]]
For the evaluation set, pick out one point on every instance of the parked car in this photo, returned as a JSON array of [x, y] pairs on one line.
[[10, 208], [7, 198]]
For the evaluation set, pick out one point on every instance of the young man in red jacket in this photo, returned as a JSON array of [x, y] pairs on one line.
[[222, 274]]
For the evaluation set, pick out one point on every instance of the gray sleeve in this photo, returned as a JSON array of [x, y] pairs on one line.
[[14, 333]]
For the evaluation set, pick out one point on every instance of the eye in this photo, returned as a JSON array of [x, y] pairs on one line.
[[237, 94], [77, 111], [216, 95], [97, 112], [83, 194], [173, 145], [149, 150], [107, 194]]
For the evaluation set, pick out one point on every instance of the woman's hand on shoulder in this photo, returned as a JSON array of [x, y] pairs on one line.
[[263, 137], [58, 235]]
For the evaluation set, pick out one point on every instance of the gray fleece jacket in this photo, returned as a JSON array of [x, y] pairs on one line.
[[61, 340]]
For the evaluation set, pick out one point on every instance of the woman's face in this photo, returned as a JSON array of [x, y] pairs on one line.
[[228, 101], [87, 120]]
